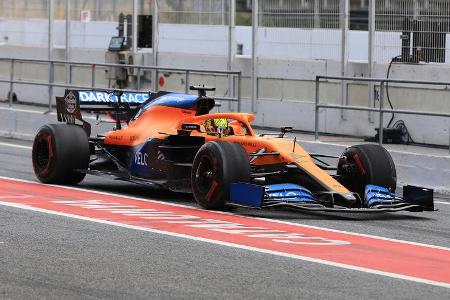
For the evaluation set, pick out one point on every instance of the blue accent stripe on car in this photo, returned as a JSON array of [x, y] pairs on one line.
[[174, 100]]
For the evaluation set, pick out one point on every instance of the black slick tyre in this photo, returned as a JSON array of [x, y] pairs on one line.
[[60, 154], [366, 164], [217, 165]]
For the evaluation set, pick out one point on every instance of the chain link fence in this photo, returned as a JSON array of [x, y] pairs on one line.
[[199, 12], [93, 22], [413, 30], [307, 29], [299, 14], [96, 10]]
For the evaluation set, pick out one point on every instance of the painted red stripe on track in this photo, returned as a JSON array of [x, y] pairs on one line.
[[418, 261]]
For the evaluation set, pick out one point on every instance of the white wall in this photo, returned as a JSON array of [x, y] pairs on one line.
[[94, 35], [286, 84]]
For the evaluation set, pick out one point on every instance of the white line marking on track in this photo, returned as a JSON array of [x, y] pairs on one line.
[[309, 259], [38, 112], [23, 110], [232, 214], [15, 196], [15, 146], [440, 202]]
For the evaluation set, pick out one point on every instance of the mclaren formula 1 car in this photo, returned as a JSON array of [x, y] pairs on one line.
[[172, 141]]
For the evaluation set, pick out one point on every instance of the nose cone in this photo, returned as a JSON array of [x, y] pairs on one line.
[[349, 196], [347, 199]]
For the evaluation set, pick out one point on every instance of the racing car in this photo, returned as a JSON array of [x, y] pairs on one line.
[[172, 141]]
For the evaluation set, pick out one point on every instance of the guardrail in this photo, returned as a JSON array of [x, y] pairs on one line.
[[381, 110], [234, 87]]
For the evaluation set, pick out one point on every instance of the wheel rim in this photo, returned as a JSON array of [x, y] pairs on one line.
[[204, 176], [355, 180], [43, 153]]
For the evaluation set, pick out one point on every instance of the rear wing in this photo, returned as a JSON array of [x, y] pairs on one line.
[[69, 107], [112, 98]]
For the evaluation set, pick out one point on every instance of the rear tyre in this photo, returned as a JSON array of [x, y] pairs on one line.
[[217, 165], [366, 164], [60, 154]]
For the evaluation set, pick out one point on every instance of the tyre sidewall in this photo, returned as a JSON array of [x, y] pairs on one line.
[[70, 153], [215, 155], [46, 136], [230, 164], [378, 166]]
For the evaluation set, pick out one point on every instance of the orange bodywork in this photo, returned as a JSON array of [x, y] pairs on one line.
[[161, 121]]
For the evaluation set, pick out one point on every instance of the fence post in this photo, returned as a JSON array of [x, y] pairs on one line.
[[138, 78], [70, 73], [344, 7], [51, 76], [51, 16], [239, 92], [186, 82], [155, 38], [67, 43], [231, 48], [370, 56], [316, 108], [316, 14], [233, 95], [155, 81], [93, 75], [254, 54], [134, 30], [11, 84], [380, 124]]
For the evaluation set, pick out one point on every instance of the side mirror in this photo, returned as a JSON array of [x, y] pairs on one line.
[[190, 127], [286, 129]]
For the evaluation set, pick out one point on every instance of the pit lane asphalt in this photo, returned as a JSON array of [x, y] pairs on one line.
[[47, 256]]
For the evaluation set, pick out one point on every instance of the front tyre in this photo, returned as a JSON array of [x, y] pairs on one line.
[[217, 165], [361, 165], [60, 154]]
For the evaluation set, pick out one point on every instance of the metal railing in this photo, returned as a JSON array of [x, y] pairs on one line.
[[234, 88], [381, 110]]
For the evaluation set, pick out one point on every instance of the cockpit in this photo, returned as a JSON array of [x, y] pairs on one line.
[[224, 127]]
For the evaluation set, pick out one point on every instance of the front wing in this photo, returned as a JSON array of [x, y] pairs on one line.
[[377, 199]]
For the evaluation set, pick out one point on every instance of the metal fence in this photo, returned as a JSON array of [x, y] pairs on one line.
[[97, 10], [299, 14], [201, 12], [51, 83], [330, 30], [381, 109], [300, 29], [414, 30], [88, 23]]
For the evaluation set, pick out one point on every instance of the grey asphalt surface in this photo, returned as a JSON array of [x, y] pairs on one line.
[[55, 257]]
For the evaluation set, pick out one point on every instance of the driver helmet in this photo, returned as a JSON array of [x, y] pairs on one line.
[[219, 126]]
